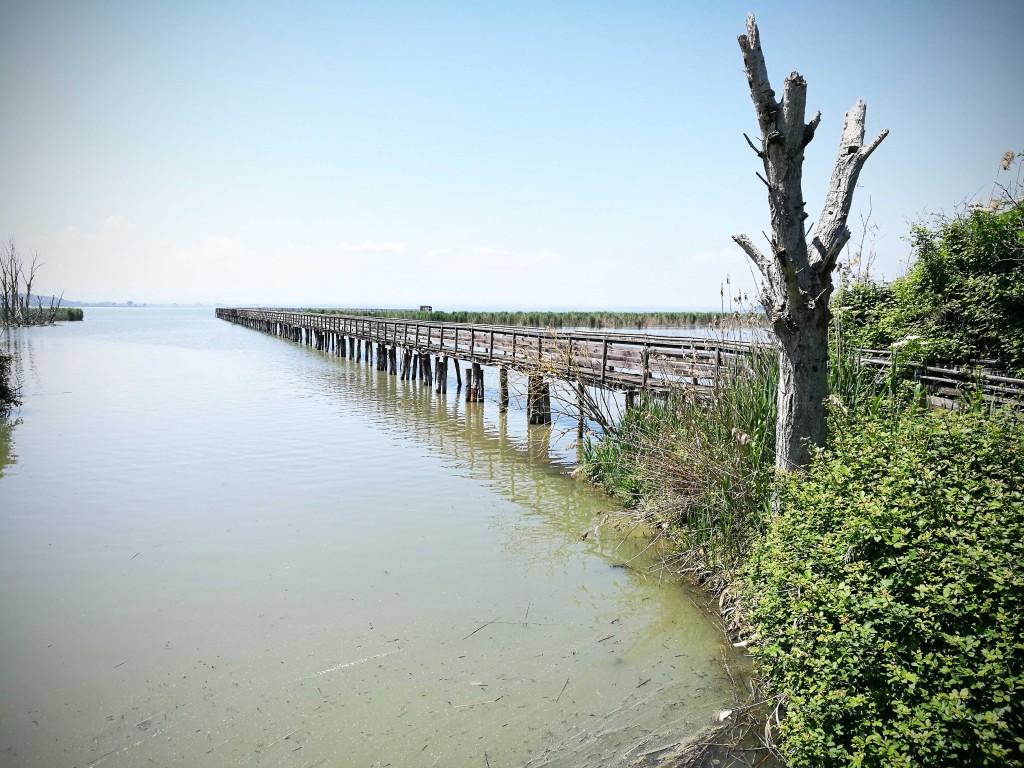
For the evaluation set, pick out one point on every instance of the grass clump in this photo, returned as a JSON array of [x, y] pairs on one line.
[[887, 595], [698, 465], [69, 314]]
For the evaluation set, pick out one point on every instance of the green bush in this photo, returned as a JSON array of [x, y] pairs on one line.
[[70, 314], [8, 392], [962, 298], [889, 596]]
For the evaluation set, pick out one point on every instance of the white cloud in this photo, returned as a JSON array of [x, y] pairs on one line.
[[113, 228], [219, 246], [370, 246], [116, 225]]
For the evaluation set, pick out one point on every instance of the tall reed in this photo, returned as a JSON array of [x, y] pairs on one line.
[[699, 465], [542, 319]]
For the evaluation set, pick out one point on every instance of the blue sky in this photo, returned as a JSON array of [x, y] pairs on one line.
[[569, 154]]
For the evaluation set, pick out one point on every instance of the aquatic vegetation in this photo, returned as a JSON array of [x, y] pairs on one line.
[[538, 319]]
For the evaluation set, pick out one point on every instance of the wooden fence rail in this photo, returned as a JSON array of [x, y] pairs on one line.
[[948, 384]]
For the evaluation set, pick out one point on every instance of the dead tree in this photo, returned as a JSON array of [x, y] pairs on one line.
[[11, 268], [798, 272], [15, 300], [28, 279]]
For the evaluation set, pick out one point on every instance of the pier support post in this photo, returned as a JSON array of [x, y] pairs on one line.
[[458, 375], [425, 373], [469, 385], [478, 383], [538, 400], [502, 389]]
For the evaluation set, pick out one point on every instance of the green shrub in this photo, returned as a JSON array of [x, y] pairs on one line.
[[8, 392], [889, 596], [70, 314], [962, 298]]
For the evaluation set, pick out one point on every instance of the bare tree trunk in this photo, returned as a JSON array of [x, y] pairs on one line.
[[26, 312], [798, 274], [10, 269], [15, 306]]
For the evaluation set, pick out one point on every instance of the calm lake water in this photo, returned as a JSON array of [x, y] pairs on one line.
[[222, 548]]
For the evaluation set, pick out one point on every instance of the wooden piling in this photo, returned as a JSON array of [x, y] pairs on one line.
[[538, 400], [478, 383], [469, 385], [502, 389]]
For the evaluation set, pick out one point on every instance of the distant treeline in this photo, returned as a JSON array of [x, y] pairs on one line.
[[565, 319]]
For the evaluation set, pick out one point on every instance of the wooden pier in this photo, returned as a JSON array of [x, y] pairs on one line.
[[629, 363], [624, 362]]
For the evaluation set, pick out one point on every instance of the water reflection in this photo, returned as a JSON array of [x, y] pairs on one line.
[[7, 455]]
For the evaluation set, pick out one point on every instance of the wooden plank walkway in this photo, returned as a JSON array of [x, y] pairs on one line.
[[624, 362], [617, 361]]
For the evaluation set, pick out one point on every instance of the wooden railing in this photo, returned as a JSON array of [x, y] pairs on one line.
[[627, 362], [950, 383], [622, 361]]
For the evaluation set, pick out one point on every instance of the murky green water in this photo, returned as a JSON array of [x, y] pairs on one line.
[[220, 548]]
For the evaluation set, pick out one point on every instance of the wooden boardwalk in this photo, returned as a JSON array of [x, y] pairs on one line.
[[626, 362], [629, 363]]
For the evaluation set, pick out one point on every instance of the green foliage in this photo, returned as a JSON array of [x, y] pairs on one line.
[[865, 311], [889, 598], [70, 314], [963, 297], [8, 392], [699, 465]]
